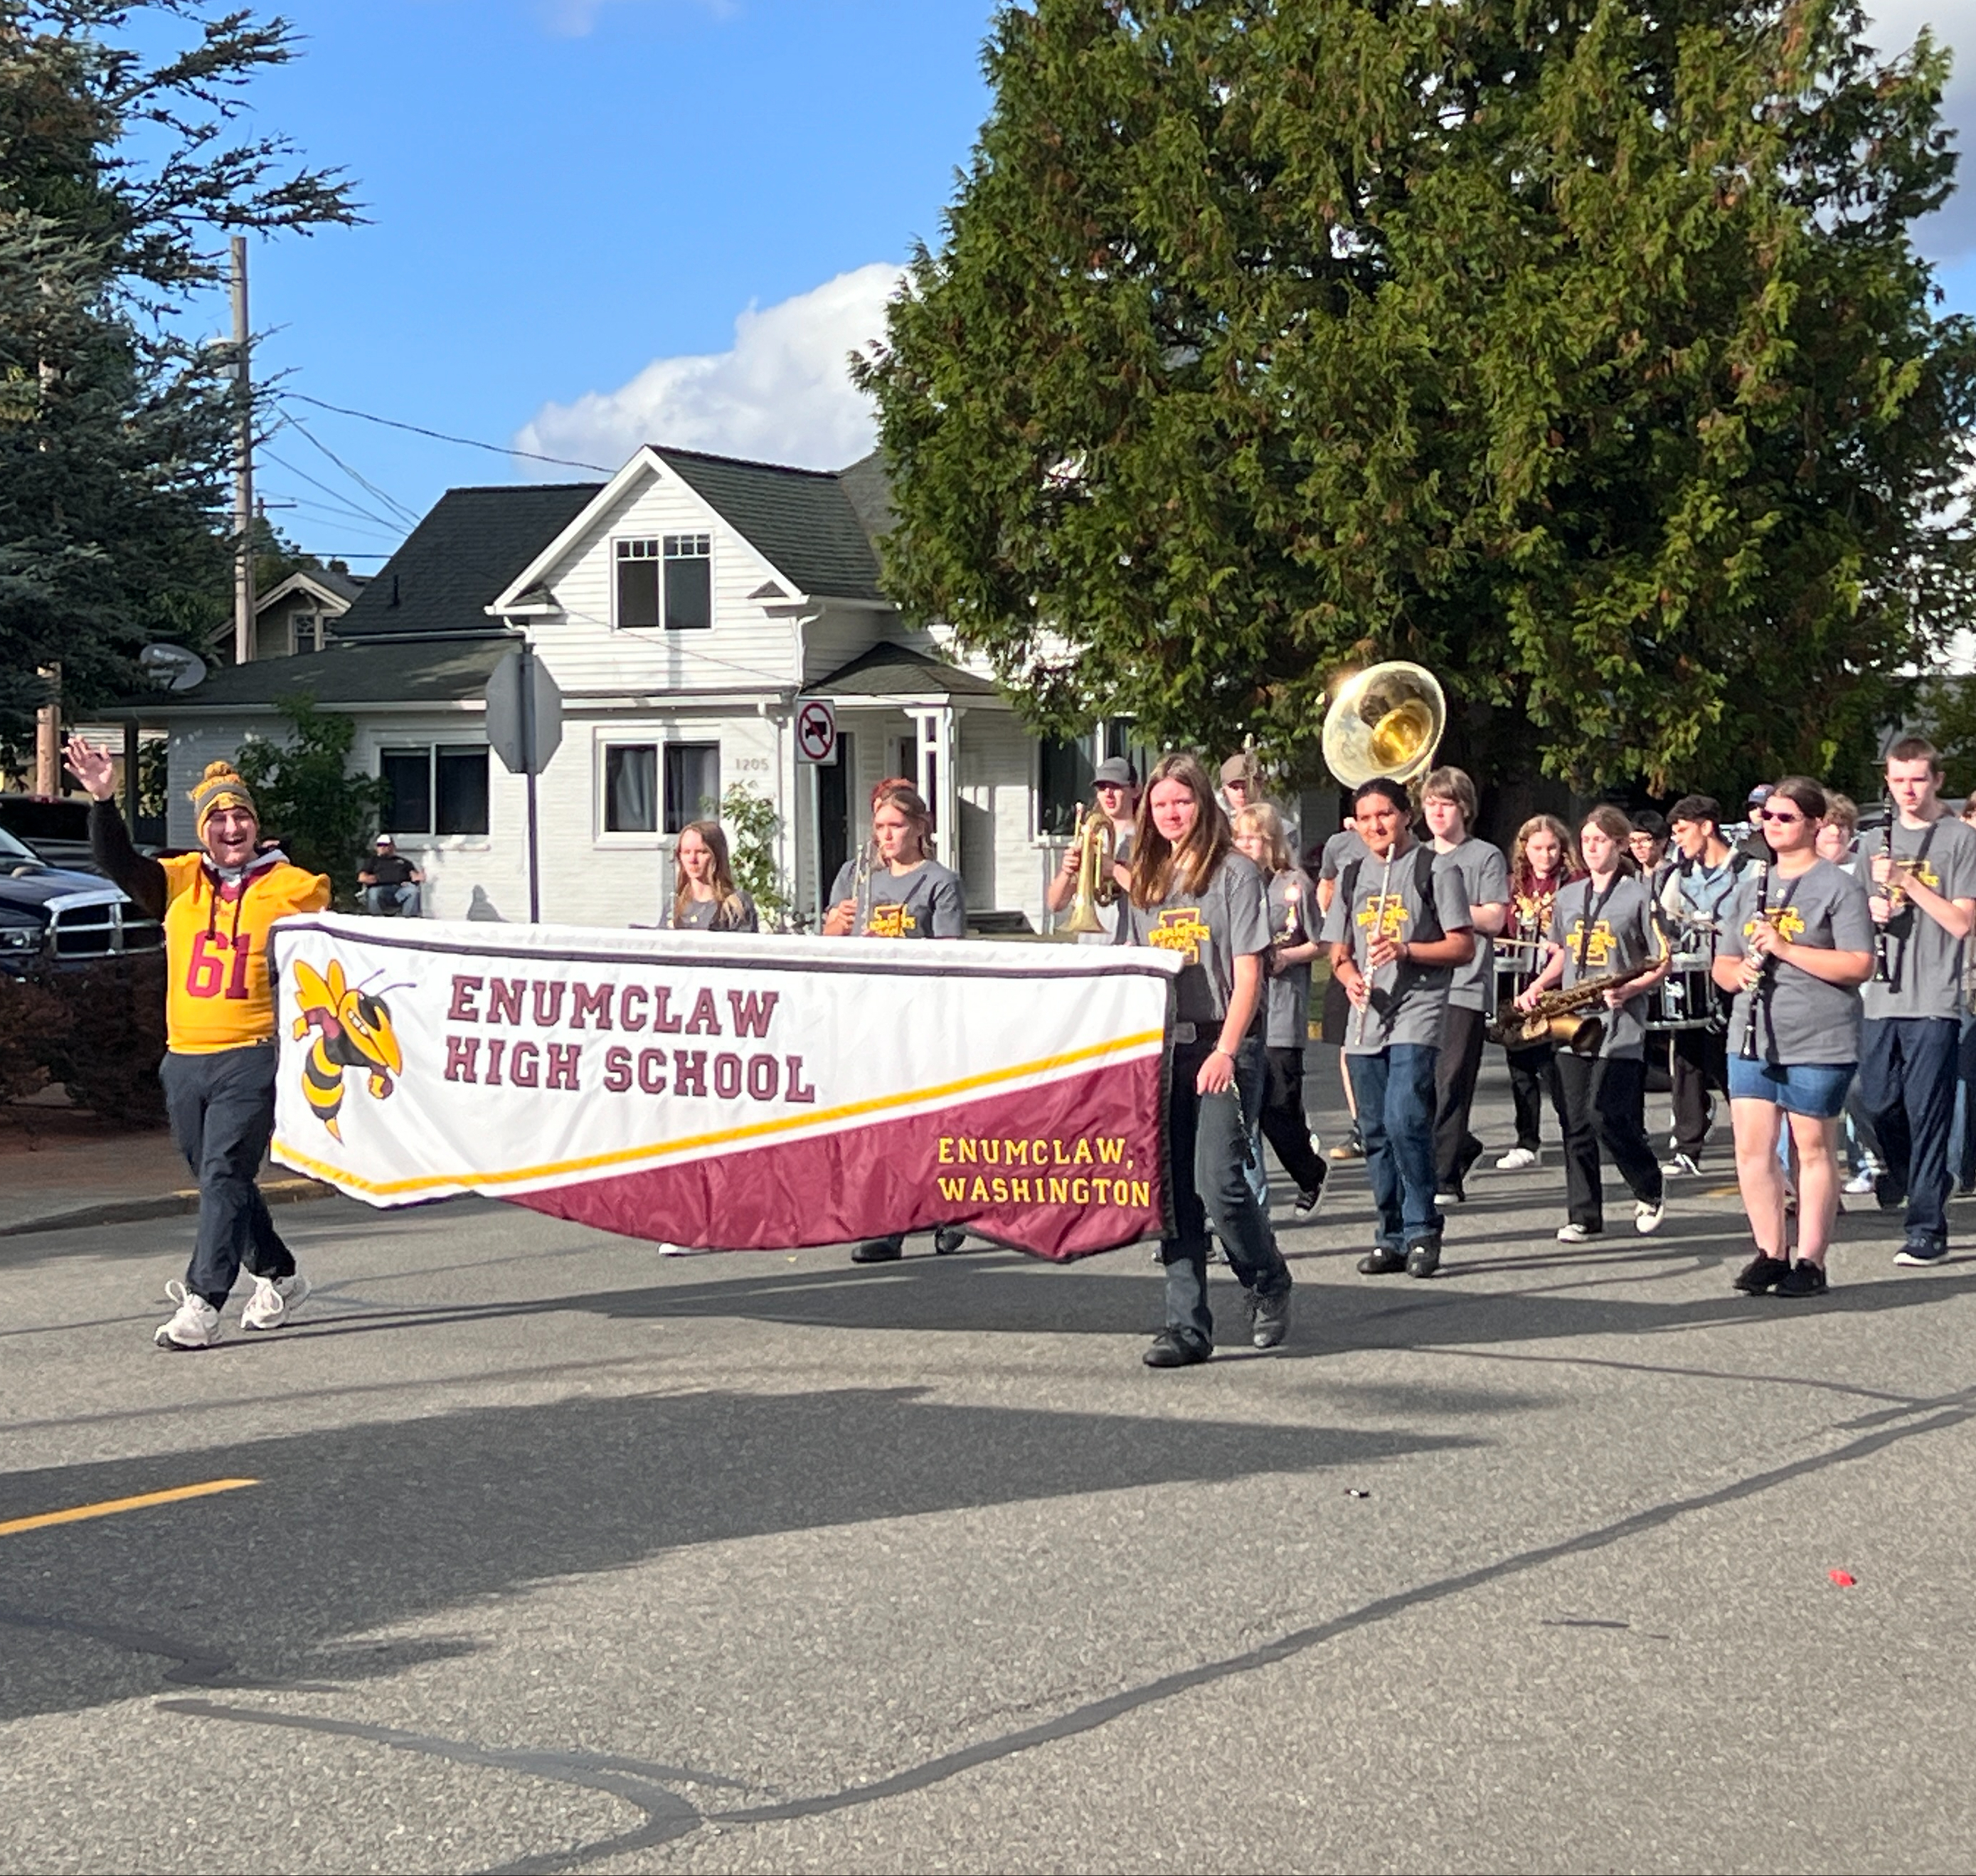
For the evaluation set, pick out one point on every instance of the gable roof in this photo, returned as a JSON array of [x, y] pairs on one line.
[[462, 555], [801, 521], [888, 669]]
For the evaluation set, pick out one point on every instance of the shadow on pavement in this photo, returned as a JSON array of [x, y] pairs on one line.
[[356, 1528]]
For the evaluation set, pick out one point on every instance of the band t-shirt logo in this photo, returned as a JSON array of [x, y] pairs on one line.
[[1599, 945], [891, 922], [1178, 929], [1788, 920], [1387, 910]]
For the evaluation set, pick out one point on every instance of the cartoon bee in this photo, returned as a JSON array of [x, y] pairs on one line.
[[353, 1030]]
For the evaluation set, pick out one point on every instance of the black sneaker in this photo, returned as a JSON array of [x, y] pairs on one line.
[[879, 1250], [1761, 1273], [1423, 1256], [1921, 1254], [1382, 1263], [1271, 1315], [947, 1240], [1802, 1279], [1171, 1348], [1306, 1202]]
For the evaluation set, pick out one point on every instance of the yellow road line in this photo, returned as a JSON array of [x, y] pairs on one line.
[[291, 1154], [76, 1513]]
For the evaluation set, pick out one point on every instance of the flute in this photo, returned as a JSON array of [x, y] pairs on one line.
[[1378, 931], [1756, 990]]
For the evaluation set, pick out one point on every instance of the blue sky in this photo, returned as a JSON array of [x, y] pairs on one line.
[[573, 202]]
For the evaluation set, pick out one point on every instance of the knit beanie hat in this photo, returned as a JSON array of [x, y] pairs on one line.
[[219, 787]]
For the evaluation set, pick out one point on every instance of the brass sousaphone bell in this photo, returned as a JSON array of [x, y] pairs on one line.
[[1386, 719]]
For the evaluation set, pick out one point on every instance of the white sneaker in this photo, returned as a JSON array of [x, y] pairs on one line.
[[196, 1325], [1647, 1218], [1863, 1181], [1517, 1160], [274, 1303], [1576, 1234]]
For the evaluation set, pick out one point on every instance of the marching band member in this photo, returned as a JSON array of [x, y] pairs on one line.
[[1447, 799], [1648, 843], [1859, 1152], [1600, 924], [1192, 894], [218, 1070], [904, 894], [1340, 851], [1924, 893], [1116, 786], [705, 897], [1259, 837], [1542, 860], [1707, 872], [1795, 947], [1402, 910]]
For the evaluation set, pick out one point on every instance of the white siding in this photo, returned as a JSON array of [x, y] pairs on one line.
[[996, 776]]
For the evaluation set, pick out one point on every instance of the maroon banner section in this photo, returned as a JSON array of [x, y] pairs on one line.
[[1063, 1171]]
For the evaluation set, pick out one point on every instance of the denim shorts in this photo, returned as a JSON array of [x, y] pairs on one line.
[[1815, 1088]]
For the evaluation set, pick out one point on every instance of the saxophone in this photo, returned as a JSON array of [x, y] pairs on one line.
[[1564, 1018]]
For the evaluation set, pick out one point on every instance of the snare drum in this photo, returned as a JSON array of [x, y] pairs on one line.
[[1686, 997]]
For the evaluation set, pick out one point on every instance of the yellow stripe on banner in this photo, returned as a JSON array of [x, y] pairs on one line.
[[109, 1507], [790, 1123]]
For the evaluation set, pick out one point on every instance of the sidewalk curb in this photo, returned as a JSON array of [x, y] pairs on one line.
[[164, 1205]]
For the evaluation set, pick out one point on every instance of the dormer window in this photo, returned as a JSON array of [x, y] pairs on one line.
[[665, 580]]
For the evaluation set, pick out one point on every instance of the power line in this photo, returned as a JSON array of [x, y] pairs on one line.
[[350, 510], [363, 482], [440, 436]]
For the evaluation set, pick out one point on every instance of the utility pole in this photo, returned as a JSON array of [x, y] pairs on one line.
[[243, 466], [48, 736]]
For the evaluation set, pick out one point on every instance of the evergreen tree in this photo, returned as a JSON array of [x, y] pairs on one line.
[[1580, 351], [115, 434]]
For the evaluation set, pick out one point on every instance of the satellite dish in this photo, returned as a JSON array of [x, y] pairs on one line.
[[172, 667]]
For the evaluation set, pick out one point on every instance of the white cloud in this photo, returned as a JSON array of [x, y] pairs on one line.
[[782, 393]]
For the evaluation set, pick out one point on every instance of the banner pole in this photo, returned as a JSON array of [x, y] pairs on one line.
[[529, 763]]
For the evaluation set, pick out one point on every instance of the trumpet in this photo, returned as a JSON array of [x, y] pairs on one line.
[[1097, 845], [861, 888]]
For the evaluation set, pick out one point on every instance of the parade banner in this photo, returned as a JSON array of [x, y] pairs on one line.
[[731, 1092]]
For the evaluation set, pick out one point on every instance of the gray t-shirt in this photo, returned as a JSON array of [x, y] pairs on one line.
[[925, 903], [1292, 920], [1485, 877], [1339, 852], [1229, 919], [1409, 1001], [1601, 932], [1802, 1019], [705, 915], [1925, 961]]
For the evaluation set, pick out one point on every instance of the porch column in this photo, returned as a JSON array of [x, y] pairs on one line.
[[936, 782]]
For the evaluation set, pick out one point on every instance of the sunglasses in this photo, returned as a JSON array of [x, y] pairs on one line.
[[1778, 814]]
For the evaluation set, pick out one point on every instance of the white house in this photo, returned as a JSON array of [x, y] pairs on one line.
[[686, 609]]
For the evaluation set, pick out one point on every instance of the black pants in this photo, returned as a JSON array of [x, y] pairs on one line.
[[1700, 1066], [1455, 1070], [222, 1108], [1604, 1105], [1282, 1119], [1533, 1081]]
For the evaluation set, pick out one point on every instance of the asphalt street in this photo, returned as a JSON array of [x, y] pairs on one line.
[[561, 1554]]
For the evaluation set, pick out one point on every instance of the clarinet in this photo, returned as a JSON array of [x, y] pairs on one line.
[[1883, 970], [1748, 1051]]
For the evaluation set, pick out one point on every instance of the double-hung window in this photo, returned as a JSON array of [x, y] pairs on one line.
[[665, 580], [434, 788], [656, 788]]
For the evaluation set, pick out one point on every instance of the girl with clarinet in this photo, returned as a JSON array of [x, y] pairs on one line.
[[1796, 947]]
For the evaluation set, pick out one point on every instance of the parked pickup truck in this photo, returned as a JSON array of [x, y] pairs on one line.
[[50, 915]]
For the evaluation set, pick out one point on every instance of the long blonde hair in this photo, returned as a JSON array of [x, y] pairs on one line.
[[1159, 868], [728, 909], [1263, 816]]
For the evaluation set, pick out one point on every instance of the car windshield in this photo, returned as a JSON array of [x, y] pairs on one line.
[[13, 854]]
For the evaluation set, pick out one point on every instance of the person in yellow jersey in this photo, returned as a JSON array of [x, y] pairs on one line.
[[218, 1070]]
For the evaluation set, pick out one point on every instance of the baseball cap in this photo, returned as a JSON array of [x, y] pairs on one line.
[[1760, 794], [384, 840], [1117, 770], [1240, 768]]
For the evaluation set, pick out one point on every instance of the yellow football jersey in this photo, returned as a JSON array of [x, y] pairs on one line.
[[217, 992]]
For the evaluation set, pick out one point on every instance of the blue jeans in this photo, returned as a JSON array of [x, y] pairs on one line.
[[1394, 1091], [1208, 1144], [1907, 1080], [1961, 1132], [382, 901]]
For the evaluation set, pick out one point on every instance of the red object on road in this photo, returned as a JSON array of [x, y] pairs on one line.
[[1844, 1579]]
